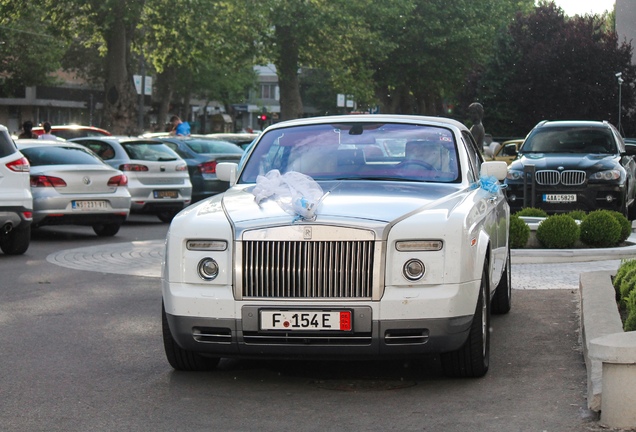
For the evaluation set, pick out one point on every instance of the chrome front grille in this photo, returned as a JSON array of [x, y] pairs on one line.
[[567, 178], [307, 269]]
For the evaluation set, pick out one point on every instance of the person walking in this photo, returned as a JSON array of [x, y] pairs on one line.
[[47, 132], [27, 131]]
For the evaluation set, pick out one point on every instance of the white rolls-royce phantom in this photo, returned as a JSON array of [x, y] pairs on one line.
[[343, 237]]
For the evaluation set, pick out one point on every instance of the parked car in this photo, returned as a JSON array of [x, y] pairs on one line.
[[158, 178], [573, 165], [315, 252], [16, 201], [73, 131], [243, 140], [202, 155], [72, 186], [507, 151]]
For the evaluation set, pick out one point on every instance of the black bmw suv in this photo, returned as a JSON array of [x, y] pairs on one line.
[[573, 165]]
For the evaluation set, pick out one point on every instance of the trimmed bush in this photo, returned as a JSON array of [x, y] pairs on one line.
[[577, 214], [558, 231], [519, 232], [626, 225], [626, 270], [627, 286], [600, 229], [630, 322], [532, 211]]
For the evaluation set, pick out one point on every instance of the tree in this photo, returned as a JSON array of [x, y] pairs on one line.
[[26, 64], [549, 66], [437, 45]]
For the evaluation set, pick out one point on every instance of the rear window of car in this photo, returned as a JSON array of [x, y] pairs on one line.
[[149, 151], [53, 155], [208, 146], [7, 146]]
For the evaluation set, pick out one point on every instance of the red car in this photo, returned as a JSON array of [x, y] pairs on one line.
[[73, 131]]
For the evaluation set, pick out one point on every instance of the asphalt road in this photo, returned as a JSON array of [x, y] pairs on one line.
[[82, 351]]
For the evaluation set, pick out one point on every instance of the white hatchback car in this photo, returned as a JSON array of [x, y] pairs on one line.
[[158, 178], [16, 202], [319, 251]]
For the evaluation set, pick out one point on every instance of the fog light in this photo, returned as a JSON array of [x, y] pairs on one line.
[[414, 269], [208, 269]]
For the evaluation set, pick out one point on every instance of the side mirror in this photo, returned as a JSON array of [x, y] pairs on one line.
[[226, 171], [498, 169]]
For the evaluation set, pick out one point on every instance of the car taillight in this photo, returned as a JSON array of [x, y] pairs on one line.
[[20, 165], [133, 167], [183, 167], [46, 181], [118, 180], [208, 167]]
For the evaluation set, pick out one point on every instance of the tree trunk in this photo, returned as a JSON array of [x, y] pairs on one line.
[[121, 102], [291, 106], [164, 87]]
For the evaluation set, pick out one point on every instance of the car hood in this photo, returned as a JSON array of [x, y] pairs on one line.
[[372, 201], [568, 161]]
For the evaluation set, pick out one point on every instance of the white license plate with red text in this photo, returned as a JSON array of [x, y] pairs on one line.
[[291, 320]]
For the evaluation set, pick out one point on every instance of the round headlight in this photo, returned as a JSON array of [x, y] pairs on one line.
[[414, 269], [208, 269]]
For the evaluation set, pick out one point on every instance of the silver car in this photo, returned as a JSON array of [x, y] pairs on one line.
[[73, 186], [158, 178]]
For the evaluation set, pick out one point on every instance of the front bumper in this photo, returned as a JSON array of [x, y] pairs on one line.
[[406, 322], [589, 197]]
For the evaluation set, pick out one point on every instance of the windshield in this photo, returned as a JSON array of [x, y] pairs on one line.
[[568, 139], [357, 150]]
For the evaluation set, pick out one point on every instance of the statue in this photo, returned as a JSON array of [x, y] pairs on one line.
[[476, 113]]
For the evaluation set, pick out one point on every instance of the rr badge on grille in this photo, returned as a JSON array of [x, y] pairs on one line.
[[307, 233]]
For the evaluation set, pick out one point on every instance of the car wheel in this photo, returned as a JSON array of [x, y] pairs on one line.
[[106, 230], [179, 358], [167, 215], [473, 358], [502, 300], [16, 241]]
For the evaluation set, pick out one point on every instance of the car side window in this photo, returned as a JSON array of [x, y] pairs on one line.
[[474, 156]]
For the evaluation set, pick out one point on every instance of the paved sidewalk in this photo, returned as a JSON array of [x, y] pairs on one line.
[[531, 269]]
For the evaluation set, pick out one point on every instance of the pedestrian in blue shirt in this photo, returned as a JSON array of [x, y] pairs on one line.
[[179, 127]]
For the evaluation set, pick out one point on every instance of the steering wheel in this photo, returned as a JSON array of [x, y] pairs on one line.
[[423, 164]]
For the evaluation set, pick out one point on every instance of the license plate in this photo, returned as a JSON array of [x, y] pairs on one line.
[[166, 194], [559, 198], [305, 320], [89, 205]]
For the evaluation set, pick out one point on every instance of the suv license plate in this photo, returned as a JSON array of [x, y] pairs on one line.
[[305, 320], [559, 198], [166, 194]]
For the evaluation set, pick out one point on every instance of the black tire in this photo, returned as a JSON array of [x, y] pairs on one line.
[[502, 299], [16, 242], [473, 358], [166, 216], [106, 230], [179, 358]]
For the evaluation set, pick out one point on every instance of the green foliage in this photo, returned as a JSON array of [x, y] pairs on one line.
[[630, 322], [627, 270], [577, 214], [532, 211], [558, 232], [561, 56], [519, 232], [626, 225], [600, 229], [627, 286]]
